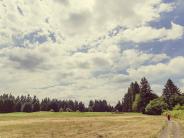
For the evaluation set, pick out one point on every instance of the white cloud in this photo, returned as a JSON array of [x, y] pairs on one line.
[[46, 70], [159, 71], [75, 21], [147, 33], [52, 47]]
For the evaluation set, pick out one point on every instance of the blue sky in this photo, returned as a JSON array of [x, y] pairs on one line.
[[93, 49]]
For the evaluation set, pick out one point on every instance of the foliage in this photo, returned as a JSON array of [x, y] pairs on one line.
[[7, 103], [171, 93], [100, 106], [68, 110], [137, 97], [176, 114], [61, 110], [178, 107], [81, 107], [135, 100], [156, 107], [35, 104], [118, 107], [26, 107], [146, 94], [136, 103], [130, 96]]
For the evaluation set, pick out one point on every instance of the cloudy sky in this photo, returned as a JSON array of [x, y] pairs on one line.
[[89, 49]]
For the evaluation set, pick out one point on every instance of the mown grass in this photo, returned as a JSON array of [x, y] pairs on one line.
[[79, 125]]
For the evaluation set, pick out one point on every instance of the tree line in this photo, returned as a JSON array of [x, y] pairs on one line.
[[10, 103], [139, 98]]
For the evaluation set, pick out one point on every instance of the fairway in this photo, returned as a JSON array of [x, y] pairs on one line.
[[79, 125]]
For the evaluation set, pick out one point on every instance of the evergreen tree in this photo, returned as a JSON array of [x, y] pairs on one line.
[[26, 107], [146, 94], [7, 103], [44, 106], [35, 104], [129, 97], [128, 101], [18, 104], [81, 107], [54, 105], [170, 92], [91, 106], [135, 89], [119, 107]]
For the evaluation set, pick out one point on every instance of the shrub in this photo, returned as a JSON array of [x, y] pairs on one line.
[[26, 107], [156, 107], [176, 114], [179, 107]]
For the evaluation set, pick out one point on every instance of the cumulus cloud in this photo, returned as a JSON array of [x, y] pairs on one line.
[[172, 69], [66, 19], [47, 69], [147, 33], [70, 48]]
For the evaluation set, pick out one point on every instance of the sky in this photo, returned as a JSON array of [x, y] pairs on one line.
[[89, 49]]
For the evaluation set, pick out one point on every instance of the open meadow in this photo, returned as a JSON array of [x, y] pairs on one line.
[[79, 125]]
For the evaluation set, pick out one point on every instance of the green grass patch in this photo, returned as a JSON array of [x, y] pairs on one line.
[[21, 115], [179, 114]]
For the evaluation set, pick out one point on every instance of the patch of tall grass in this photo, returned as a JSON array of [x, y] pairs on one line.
[[179, 114]]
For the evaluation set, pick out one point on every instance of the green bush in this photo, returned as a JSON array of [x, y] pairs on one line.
[[178, 107], [176, 114], [156, 107]]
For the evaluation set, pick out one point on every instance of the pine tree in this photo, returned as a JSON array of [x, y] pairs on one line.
[[18, 104], [170, 92], [44, 106], [118, 107], [81, 107], [35, 104], [128, 101], [129, 97], [146, 94], [26, 107], [135, 89]]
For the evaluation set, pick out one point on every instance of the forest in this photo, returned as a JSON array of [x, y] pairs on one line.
[[139, 98]]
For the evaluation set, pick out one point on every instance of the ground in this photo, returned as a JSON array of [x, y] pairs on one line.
[[80, 125]]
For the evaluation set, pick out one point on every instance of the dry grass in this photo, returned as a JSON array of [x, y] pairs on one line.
[[81, 126]]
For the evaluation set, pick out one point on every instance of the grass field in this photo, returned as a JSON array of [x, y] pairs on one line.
[[79, 125]]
